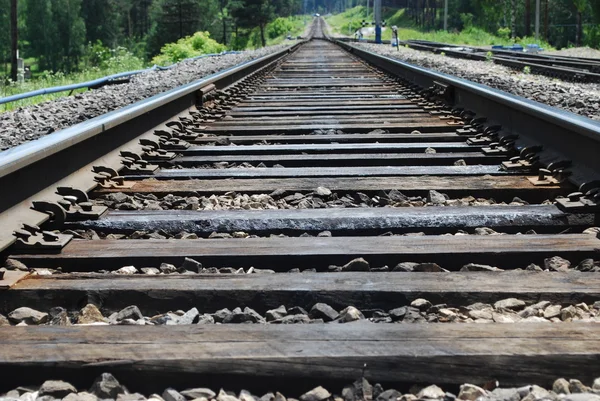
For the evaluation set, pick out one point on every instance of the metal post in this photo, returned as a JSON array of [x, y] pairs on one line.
[[367, 17], [377, 15], [537, 20], [14, 40], [446, 15]]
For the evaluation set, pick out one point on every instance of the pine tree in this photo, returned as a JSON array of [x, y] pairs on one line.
[[4, 34], [256, 13], [71, 32], [581, 7], [101, 19], [41, 33], [172, 20]]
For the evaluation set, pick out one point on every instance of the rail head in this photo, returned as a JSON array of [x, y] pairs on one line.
[[16, 158], [564, 135]]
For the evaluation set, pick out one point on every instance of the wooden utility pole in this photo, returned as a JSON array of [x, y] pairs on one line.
[[14, 39]]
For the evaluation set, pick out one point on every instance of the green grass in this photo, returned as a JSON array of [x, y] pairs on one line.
[[120, 61], [47, 81], [472, 36]]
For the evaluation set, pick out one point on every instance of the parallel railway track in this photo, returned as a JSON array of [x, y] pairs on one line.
[[567, 68], [563, 67], [305, 162]]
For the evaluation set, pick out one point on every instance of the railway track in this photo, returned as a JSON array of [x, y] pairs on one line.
[[566, 68], [429, 231]]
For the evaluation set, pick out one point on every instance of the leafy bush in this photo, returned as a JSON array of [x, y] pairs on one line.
[[504, 33], [95, 54], [591, 36], [191, 46], [97, 57], [120, 60], [467, 20], [279, 27]]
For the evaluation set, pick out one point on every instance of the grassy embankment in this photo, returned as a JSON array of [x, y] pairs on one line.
[[349, 21], [119, 60], [101, 62]]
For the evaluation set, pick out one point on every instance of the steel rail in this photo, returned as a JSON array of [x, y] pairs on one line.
[[564, 135]]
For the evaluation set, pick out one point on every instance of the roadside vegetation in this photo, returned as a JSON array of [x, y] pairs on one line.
[[97, 60], [348, 22], [100, 62]]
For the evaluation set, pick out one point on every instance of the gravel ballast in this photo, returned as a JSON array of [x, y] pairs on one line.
[[191, 266], [108, 387], [32, 122], [320, 198], [579, 98], [420, 310], [583, 52]]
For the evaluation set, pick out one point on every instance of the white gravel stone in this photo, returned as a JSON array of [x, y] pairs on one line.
[[194, 393], [322, 191], [316, 394], [350, 314], [431, 392], [470, 392], [171, 394], [126, 270], [509, 304], [592, 231], [28, 316]]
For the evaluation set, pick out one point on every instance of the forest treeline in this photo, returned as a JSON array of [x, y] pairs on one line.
[[562, 22], [58, 33]]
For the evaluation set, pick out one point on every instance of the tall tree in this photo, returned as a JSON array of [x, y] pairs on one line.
[[4, 32], [173, 20], [256, 13], [41, 33], [225, 18], [101, 19], [134, 20], [595, 9], [580, 7], [527, 17], [513, 19], [71, 32], [14, 39]]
